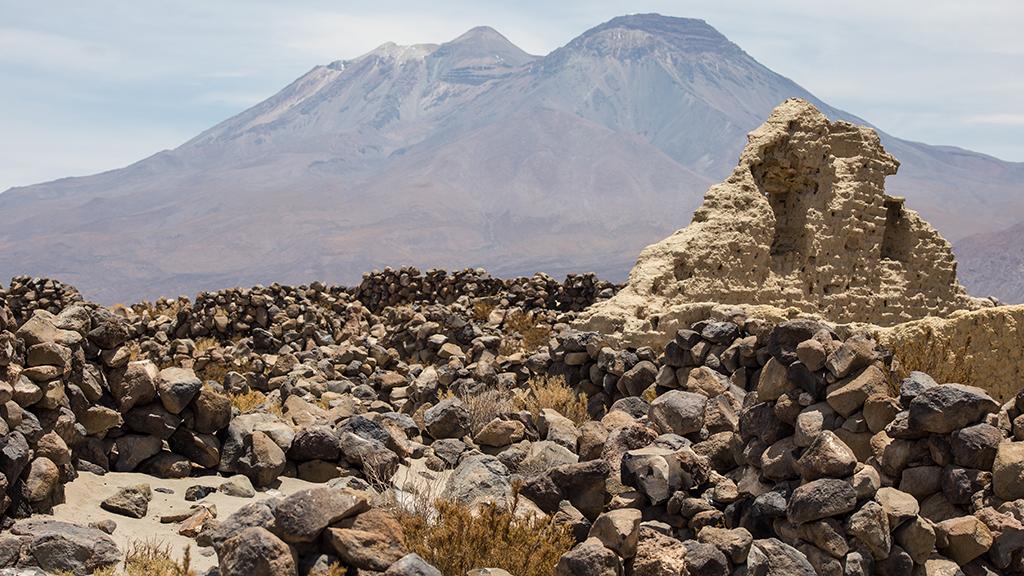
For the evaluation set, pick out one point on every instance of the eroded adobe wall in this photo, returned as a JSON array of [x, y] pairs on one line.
[[802, 223]]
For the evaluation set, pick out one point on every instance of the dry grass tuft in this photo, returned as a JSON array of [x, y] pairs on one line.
[[553, 392], [217, 370], [254, 400], [152, 558], [206, 343], [148, 558], [336, 569], [532, 331], [457, 539], [482, 309], [484, 406]]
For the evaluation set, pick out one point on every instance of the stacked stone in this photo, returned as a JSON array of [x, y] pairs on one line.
[[380, 289], [311, 316], [27, 294], [784, 450], [742, 448]]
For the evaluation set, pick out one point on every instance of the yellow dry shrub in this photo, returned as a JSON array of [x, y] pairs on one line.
[[554, 393], [457, 539], [206, 343], [248, 401], [482, 309], [533, 333], [149, 558]]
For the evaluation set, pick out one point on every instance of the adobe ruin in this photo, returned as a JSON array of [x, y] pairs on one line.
[[802, 224]]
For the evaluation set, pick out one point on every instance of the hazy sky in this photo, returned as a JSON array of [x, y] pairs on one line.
[[91, 86]]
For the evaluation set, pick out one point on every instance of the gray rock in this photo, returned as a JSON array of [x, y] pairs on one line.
[[913, 385], [255, 551], [152, 419], [448, 418], [784, 338], [772, 557], [63, 547], [638, 378], [252, 514], [704, 559], [315, 443], [678, 412], [826, 457], [302, 516], [618, 530], [131, 501], [583, 485], [132, 449], [135, 385], [975, 446], [177, 387], [477, 479], [590, 558], [238, 486], [412, 565], [821, 499], [108, 329], [945, 408], [212, 411]]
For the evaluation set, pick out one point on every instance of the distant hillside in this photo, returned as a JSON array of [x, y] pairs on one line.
[[467, 153], [992, 264]]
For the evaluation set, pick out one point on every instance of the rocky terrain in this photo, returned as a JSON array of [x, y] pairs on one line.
[[458, 424], [465, 153]]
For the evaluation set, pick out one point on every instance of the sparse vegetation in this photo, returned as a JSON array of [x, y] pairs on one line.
[[250, 401], [457, 539], [149, 558], [482, 309], [553, 392], [152, 558], [485, 405], [533, 333]]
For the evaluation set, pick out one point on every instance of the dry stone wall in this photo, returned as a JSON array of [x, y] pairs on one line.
[[803, 222]]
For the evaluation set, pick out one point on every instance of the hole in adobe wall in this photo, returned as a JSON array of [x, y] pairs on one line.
[[897, 239], [791, 189]]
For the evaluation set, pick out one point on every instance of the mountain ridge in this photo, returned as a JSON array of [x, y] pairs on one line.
[[465, 153]]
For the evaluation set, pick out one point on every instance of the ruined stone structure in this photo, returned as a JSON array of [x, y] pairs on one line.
[[803, 223]]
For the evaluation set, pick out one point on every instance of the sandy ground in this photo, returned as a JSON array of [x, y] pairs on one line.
[[83, 497], [84, 494]]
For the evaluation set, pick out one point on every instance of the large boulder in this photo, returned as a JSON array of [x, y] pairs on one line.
[[943, 409], [134, 385], [821, 499], [448, 418], [255, 551], [177, 387], [478, 479], [63, 547], [302, 516], [678, 412]]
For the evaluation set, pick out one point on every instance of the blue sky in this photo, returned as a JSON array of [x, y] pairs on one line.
[[91, 86]]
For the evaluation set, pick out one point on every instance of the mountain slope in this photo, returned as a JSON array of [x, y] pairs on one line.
[[992, 264], [467, 153]]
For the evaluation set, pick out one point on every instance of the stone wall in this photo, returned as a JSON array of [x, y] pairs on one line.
[[979, 348], [803, 222]]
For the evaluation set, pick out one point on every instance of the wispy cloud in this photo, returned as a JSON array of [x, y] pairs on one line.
[[1009, 119], [30, 48], [234, 99]]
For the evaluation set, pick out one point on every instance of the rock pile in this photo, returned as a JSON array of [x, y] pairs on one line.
[[409, 285], [803, 222], [754, 449], [740, 446]]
